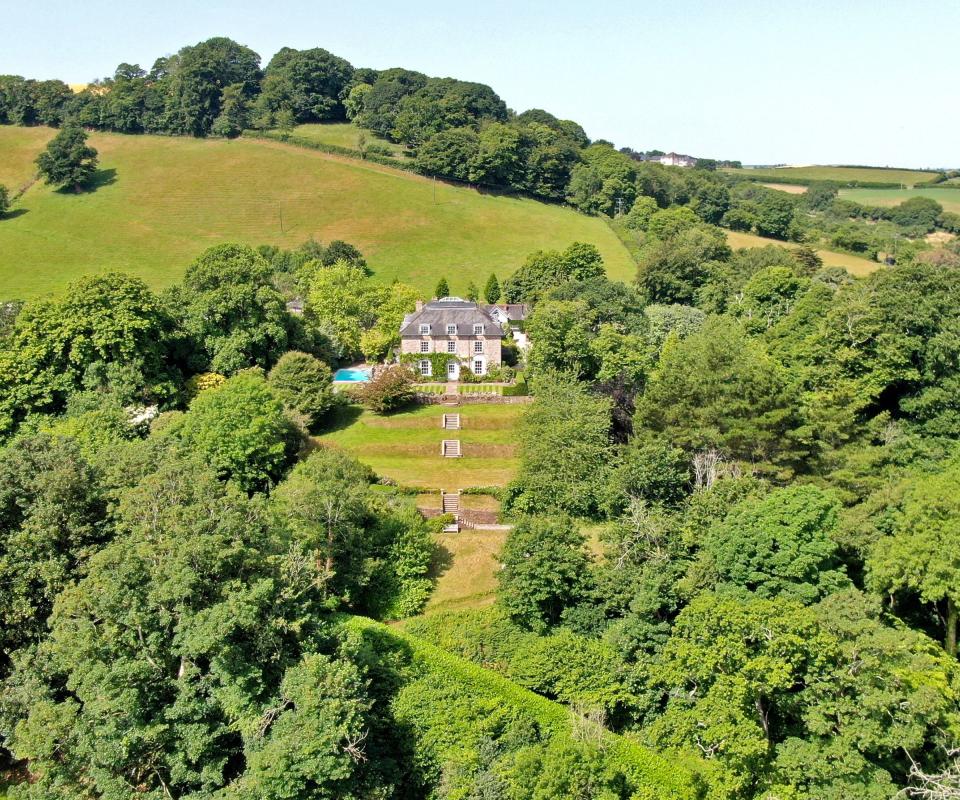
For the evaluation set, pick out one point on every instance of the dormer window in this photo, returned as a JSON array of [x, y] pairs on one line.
[[424, 330], [478, 330], [451, 330]]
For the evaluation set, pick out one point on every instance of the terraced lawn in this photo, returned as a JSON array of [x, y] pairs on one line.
[[405, 446]]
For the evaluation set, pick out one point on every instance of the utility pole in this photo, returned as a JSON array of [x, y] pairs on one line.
[[280, 209], [619, 206]]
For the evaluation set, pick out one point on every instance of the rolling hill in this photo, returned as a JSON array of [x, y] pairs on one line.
[[801, 175], [161, 200]]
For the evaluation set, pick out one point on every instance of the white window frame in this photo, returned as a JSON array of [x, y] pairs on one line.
[[478, 346], [478, 330], [478, 366], [451, 346], [425, 368], [424, 346], [424, 329], [451, 330]]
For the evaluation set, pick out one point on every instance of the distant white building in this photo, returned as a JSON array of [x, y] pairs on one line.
[[677, 160]]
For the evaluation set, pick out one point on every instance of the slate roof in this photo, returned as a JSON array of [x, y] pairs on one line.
[[514, 311], [450, 311]]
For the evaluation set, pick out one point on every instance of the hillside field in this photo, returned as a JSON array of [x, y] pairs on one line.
[[343, 134], [853, 264], [841, 174], [163, 200], [948, 198]]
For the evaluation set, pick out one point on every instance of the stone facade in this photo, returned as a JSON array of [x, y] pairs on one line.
[[456, 327]]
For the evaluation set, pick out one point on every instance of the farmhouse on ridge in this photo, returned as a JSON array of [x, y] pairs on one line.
[[457, 327]]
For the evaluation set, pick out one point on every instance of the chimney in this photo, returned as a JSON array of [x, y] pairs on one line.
[[419, 305]]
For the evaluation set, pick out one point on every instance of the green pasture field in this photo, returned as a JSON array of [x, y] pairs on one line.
[[343, 134], [406, 446], [162, 200], [841, 174], [853, 264], [948, 198]]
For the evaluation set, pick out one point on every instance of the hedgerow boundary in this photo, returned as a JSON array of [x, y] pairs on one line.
[[650, 776]]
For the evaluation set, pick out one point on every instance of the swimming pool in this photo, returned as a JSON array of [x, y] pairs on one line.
[[351, 375]]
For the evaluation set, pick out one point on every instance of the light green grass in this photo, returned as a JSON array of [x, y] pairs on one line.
[[343, 134], [948, 198], [406, 446], [174, 197], [841, 174], [18, 149], [853, 264]]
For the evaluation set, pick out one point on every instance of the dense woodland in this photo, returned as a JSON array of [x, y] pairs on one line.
[[736, 520]]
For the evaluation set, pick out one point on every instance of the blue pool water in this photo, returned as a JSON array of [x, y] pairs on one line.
[[352, 375]]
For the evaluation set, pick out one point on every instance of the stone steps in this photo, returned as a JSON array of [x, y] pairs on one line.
[[450, 422], [450, 448]]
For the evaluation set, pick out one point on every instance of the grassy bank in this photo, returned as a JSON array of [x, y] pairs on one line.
[[161, 200]]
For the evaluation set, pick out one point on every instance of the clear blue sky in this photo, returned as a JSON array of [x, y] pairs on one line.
[[848, 81]]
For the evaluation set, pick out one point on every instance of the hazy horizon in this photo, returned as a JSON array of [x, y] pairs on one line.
[[818, 83]]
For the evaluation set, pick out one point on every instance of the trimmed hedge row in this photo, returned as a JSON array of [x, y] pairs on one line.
[[650, 775]]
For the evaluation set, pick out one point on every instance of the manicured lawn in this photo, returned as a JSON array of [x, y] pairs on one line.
[[406, 446], [466, 568], [853, 264], [948, 198], [163, 200], [343, 134], [842, 174]]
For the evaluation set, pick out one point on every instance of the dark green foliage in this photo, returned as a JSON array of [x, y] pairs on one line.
[[4, 200], [651, 471], [672, 270], [68, 160], [547, 269], [310, 83], [442, 290], [303, 383], [564, 450], [544, 571], [229, 307], [241, 432], [390, 390], [719, 389], [780, 546], [110, 321]]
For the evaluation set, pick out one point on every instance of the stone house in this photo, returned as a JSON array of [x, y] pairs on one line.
[[457, 327]]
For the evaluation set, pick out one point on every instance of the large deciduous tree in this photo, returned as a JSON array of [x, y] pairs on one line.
[[923, 553], [68, 160]]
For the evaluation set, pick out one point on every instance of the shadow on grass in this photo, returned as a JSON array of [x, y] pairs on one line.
[[101, 178], [441, 562], [341, 417], [13, 213]]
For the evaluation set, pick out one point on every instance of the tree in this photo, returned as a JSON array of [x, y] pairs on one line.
[[240, 429], [923, 553], [310, 83], [544, 564], [491, 290], [234, 114], [391, 389], [303, 383], [561, 333], [779, 546], [229, 307], [325, 501], [4, 200], [719, 389], [473, 293], [442, 289], [565, 453], [52, 520], [68, 160], [671, 270]]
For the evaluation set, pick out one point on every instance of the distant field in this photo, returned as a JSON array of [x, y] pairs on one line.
[[164, 200], [406, 446], [343, 134], [841, 174], [948, 198], [853, 264], [789, 188]]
